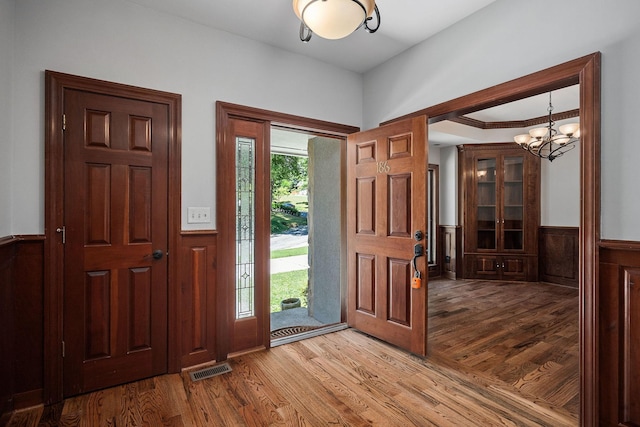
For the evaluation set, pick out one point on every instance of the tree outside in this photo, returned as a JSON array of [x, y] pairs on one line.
[[289, 182]]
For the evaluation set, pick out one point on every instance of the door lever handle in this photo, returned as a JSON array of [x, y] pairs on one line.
[[62, 230]]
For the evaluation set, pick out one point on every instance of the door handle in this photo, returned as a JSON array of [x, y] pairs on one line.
[[157, 254], [418, 251]]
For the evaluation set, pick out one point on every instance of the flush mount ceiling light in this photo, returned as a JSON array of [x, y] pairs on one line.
[[335, 19], [547, 142]]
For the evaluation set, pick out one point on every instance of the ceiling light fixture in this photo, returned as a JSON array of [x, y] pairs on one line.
[[547, 142], [335, 19]]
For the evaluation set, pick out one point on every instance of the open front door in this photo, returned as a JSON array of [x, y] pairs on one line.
[[387, 205]]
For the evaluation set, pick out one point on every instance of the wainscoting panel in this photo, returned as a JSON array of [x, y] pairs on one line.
[[559, 255], [197, 298], [7, 256], [22, 336], [619, 332], [451, 238], [22, 313]]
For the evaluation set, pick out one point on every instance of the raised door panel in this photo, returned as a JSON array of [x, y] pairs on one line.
[[513, 268], [399, 206], [559, 255], [197, 301], [365, 205], [482, 267], [619, 332], [629, 354], [399, 297], [366, 283]]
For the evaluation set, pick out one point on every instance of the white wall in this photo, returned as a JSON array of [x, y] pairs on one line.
[[434, 155], [122, 42], [6, 127], [512, 38], [448, 185], [560, 190]]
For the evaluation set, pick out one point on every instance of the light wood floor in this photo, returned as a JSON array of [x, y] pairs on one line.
[[500, 354]]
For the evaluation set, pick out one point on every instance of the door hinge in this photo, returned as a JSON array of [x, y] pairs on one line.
[[64, 122], [63, 349]]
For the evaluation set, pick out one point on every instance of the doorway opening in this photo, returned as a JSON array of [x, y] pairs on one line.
[[551, 229], [307, 234]]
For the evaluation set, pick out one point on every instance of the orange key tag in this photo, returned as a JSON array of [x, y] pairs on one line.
[[416, 283]]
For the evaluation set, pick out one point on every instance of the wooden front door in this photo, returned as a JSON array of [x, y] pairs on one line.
[[387, 204], [116, 240]]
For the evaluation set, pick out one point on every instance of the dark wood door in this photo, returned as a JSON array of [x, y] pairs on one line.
[[387, 203], [115, 208]]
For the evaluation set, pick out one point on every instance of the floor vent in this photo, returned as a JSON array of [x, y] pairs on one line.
[[210, 372]]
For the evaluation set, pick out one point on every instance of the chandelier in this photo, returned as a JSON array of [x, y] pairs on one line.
[[547, 142], [335, 19]]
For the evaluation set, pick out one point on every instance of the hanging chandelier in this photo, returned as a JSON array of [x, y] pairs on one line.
[[335, 19], [547, 142]]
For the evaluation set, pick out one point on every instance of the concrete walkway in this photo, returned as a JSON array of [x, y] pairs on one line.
[[290, 263], [286, 241]]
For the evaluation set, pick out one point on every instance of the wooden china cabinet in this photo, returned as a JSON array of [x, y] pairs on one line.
[[500, 211]]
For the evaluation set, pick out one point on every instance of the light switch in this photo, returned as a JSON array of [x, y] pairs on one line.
[[198, 215]]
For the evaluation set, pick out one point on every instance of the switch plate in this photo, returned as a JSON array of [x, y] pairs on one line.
[[198, 215]]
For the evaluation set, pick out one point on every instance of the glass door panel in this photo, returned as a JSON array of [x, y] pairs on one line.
[[513, 213], [486, 214]]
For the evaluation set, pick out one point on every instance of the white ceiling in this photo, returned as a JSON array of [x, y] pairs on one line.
[[404, 23], [449, 133]]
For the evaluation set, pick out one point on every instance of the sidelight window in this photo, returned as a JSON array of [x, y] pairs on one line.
[[245, 227]]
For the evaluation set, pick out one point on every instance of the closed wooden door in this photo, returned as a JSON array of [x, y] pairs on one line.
[[115, 266], [387, 204]]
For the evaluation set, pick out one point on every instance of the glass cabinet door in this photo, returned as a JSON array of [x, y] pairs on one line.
[[513, 211], [486, 214]]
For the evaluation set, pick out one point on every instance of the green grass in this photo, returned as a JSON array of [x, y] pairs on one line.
[[300, 202], [292, 284], [283, 253], [281, 222]]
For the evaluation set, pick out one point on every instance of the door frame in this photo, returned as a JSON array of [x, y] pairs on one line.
[[585, 71], [55, 85], [225, 212]]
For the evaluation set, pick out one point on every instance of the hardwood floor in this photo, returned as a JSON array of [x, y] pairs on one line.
[[500, 354], [517, 333]]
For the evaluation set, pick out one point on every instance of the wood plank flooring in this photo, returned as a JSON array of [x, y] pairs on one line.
[[521, 334], [501, 354]]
